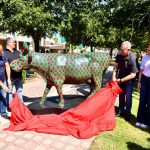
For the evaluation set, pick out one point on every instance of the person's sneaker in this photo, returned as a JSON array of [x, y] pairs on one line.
[[138, 124], [144, 126]]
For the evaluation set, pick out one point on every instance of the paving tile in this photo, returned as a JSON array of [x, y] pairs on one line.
[[47, 141], [38, 138], [10, 147], [74, 141], [70, 147], [59, 145], [40, 147], [2, 145], [28, 136], [10, 139], [3, 135], [30, 145], [19, 142]]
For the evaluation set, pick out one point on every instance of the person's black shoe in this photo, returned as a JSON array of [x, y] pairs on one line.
[[120, 114], [127, 117]]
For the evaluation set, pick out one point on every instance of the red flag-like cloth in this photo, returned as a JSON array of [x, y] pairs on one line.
[[95, 115]]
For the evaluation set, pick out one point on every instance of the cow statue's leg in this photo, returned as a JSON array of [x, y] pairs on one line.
[[98, 84], [46, 91], [59, 90]]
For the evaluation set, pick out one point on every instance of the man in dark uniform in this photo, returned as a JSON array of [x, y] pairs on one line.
[[16, 77], [124, 73]]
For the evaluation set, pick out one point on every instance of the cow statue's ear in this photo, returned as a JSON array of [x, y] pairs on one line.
[[25, 48]]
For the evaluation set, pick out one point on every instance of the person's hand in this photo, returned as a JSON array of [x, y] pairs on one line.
[[5, 88], [118, 81]]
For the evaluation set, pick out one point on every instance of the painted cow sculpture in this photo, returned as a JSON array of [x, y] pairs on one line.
[[58, 69]]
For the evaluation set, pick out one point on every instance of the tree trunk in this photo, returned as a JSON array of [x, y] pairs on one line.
[[111, 52], [36, 44], [91, 47], [36, 38]]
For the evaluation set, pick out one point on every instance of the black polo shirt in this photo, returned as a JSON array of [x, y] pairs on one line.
[[126, 64], [11, 56]]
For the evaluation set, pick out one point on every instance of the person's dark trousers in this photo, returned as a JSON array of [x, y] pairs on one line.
[[143, 115], [125, 98]]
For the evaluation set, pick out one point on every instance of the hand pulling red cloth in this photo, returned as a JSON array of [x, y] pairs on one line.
[[95, 115]]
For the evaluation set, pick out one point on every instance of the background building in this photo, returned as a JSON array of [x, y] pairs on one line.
[[53, 45]]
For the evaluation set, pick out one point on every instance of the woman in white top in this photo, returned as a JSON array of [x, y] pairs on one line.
[[143, 115]]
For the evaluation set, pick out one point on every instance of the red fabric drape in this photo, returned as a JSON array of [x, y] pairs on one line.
[[95, 115]]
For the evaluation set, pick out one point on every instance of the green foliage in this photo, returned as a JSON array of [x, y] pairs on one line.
[[107, 23], [99, 23], [86, 23], [132, 18], [90, 24], [29, 17]]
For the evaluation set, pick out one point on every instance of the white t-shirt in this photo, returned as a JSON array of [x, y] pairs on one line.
[[145, 65]]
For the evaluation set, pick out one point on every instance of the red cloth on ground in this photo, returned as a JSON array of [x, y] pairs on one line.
[[95, 115]]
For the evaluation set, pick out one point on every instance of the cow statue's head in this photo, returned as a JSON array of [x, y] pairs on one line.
[[24, 59]]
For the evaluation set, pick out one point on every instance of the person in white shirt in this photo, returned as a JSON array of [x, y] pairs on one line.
[[143, 115]]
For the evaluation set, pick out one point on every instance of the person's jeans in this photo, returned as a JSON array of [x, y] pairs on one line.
[[3, 101], [125, 98], [18, 83], [143, 115]]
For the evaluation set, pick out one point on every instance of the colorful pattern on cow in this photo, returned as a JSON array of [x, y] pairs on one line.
[[58, 69]]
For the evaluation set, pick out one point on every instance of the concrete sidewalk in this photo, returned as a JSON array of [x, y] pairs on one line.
[[29, 140]]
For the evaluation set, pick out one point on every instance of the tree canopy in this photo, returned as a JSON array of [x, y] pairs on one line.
[[132, 19], [107, 23], [29, 17], [99, 23]]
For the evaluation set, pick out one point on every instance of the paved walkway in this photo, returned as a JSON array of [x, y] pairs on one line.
[[29, 140]]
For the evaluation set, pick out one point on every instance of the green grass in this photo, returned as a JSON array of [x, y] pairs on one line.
[[126, 136]]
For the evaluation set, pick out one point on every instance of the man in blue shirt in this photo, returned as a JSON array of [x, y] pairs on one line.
[[16, 77]]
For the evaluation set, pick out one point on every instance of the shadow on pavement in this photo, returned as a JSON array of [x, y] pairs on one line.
[[84, 89], [48, 111], [51, 104], [29, 99]]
